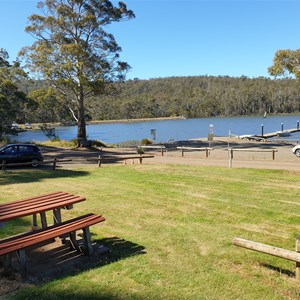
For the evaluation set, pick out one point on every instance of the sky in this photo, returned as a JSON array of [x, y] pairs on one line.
[[185, 37]]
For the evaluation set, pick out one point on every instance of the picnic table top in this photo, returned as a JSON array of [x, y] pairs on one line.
[[38, 204]]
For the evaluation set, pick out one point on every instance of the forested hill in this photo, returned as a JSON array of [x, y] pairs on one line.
[[191, 97], [199, 96]]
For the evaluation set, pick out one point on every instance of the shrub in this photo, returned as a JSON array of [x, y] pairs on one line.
[[97, 143], [140, 150], [146, 142]]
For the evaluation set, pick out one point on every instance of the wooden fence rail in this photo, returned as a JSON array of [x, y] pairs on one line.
[[279, 252], [206, 149], [161, 148], [101, 159], [231, 150], [53, 161]]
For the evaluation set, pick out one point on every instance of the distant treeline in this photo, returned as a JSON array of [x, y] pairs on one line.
[[191, 97]]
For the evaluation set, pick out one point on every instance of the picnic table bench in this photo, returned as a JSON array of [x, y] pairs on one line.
[[39, 205]]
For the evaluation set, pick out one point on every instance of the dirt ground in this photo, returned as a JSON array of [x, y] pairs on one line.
[[61, 259], [249, 157]]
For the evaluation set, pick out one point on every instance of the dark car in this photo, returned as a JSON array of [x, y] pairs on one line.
[[19, 153]]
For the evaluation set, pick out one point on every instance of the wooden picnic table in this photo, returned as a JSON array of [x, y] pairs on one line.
[[39, 205]]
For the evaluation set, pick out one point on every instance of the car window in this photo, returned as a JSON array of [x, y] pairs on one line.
[[23, 148], [12, 149]]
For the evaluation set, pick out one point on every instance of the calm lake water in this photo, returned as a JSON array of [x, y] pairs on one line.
[[168, 130]]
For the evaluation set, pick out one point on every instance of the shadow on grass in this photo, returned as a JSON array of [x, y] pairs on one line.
[[280, 270], [26, 175], [56, 260], [11, 228]]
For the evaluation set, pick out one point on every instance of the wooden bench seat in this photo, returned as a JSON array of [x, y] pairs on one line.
[[19, 243]]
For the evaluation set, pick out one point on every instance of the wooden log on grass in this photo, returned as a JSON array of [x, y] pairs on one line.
[[279, 252]]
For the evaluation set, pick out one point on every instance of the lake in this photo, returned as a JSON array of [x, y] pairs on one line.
[[169, 130]]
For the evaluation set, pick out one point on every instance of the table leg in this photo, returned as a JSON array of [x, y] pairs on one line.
[[43, 219], [34, 221], [57, 215], [87, 241]]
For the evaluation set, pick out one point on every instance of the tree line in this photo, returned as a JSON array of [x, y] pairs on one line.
[[190, 97], [198, 96]]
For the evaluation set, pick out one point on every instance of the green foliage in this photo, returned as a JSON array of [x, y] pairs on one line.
[[146, 142], [13, 103], [50, 106], [286, 62], [57, 142], [97, 143], [140, 150], [201, 96], [126, 144], [74, 52], [191, 97]]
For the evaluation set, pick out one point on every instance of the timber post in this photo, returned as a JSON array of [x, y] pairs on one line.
[[206, 152], [230, 152], [297, 263], [54, 163], [3, 164], [279, 252], [99, 161]]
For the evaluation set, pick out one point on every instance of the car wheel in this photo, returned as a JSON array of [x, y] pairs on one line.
[[297, 152], [35, 162]]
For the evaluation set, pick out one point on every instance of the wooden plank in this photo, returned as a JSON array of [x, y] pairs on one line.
[[279, 252], [40, 232], [253, 150], [196, 148], [33, 205], [51, 232], [34, 199], [44, 162], [45, 202]]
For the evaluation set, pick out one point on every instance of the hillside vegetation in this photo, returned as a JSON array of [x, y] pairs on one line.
[[191, 97]]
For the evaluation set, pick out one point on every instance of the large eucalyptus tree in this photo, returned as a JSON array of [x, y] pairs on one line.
[[74, 52]]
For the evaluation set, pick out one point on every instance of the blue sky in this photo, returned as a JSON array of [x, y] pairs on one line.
[[185, 37]]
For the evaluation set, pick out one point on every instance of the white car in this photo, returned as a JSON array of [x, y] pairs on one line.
[[296, 150]]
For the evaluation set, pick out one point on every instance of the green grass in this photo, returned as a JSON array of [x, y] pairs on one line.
[[179, 222]]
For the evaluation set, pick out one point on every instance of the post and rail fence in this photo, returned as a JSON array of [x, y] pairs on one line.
[[53, 161], [231, 150], [271, 250], [206, 149]]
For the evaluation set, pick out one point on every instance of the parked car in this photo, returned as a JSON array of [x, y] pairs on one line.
[[296, 150], [19, 153]]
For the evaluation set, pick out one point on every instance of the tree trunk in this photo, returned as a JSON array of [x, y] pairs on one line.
[[81, 132]]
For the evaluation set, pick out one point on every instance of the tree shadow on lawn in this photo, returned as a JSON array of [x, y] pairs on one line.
[[56, 261], [13, 176]]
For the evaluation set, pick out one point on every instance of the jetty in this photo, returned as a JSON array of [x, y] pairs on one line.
[[264, 136], [281, 133]]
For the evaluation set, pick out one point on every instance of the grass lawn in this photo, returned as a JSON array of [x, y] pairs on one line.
[[181, 221]]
